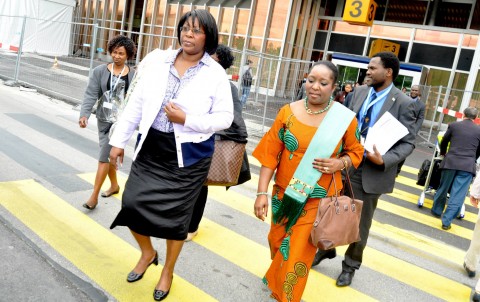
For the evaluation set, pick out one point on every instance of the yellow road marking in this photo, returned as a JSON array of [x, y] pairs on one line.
[[413, 183], [415, 241], [427, 203], [410, 170], [403, 271], [427, 220], [97, 252], [253, 257], [388, 264]]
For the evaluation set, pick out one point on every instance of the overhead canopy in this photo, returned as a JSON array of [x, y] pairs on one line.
[[47, 27]]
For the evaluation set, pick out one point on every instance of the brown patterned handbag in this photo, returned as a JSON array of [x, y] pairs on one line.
[[226, 163], [337, 221]]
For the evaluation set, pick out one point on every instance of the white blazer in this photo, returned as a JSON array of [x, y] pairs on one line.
[[207, 102]]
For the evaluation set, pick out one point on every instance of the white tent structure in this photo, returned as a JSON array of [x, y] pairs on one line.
[[47, 27]]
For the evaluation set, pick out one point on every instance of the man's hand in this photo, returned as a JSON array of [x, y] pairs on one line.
[[474, 201], [375, 156]]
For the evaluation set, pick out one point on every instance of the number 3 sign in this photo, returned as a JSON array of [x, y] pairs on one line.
[[360, 12]]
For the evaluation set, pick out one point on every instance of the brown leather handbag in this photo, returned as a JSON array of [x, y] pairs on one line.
[[226, 163], [338, 219]]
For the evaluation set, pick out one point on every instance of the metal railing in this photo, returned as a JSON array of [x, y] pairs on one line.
[[276, 80], [443, 106]]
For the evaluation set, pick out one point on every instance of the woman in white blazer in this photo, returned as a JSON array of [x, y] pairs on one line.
[[181, 98]]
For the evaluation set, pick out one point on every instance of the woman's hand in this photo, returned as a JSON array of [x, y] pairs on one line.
[[328, 165], [83, 122], [260, 209], [175, 114], [116, 154]]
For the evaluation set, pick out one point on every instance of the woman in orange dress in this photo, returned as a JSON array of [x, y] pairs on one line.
[[281, 151]]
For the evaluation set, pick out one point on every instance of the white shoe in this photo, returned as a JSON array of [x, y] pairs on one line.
[[190, 236]]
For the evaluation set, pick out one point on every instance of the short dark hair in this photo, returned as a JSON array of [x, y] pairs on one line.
[[224, 55], [470, 113], [119, 41], [330, 66], [209, 25], [389, 60]]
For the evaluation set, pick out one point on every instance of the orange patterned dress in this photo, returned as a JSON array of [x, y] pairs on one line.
[[282, 149]]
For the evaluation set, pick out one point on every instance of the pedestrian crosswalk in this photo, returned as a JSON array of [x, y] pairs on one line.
[[101, 255], [106, 257], [48, 167]]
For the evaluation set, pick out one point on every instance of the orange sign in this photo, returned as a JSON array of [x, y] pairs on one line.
[[383, 45], [361, 12]]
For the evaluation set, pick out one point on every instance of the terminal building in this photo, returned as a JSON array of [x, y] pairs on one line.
[[437, 40]]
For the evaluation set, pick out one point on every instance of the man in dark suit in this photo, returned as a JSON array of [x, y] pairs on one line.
[[376, 173], [419, 114], [458, 166]]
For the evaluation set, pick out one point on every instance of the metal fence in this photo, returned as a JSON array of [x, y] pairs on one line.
[[276, 80], [443, 106]]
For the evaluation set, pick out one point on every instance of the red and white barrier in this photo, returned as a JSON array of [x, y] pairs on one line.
[[9, 47], [455, 114]]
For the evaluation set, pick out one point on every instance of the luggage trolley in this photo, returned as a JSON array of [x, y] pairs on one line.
[[435, 158]]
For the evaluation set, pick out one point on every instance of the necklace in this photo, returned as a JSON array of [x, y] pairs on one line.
[[309, 111]]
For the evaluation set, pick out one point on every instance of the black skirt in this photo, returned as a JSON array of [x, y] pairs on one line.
[[159, 196]]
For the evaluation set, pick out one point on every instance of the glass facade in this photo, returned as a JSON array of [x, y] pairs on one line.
[[304, 30]]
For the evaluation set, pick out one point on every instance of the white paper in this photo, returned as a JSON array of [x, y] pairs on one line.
[[107, 105], [385, 133]]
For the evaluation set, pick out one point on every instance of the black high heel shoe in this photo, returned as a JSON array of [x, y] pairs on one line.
[[133, 277], [159, 295]]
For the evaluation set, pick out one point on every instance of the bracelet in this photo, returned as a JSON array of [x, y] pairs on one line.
[[345, 163], [262, 193]]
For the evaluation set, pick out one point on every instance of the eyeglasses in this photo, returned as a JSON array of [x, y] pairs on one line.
[[196, 31]]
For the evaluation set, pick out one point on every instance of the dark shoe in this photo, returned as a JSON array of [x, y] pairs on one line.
[[470, 273], [132, 276], [435, 214], [345, 278], [86, 206], [159, 295], [446, 227], [320, 255], [476, 297], [105, 194]]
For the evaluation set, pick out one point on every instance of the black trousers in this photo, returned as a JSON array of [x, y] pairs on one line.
[[354, 253], [399, 168], [198, 210]]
